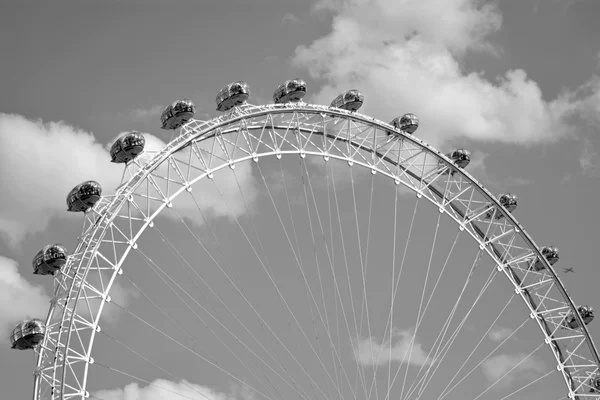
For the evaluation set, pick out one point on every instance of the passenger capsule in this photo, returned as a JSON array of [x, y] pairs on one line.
[[127, 147], [49, 260], [594, 383], [351, 100], [406, 123], [460, 157], [177, 114], [232, 95], [550, 253], [508, 201], [84, 196], [587, 315], [27, 335], [291, 91]]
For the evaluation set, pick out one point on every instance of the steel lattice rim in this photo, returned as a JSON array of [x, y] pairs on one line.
[[68, 286]]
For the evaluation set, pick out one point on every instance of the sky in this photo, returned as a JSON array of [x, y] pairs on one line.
[[515, 82]]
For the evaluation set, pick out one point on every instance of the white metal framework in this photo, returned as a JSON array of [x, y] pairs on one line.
[[302, 129]]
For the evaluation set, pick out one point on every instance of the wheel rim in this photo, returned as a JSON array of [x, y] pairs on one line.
[[302, 119]]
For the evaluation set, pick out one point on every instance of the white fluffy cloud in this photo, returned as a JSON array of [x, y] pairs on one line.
[[368, 351], [162, 389], [498, 333], [46, 160], [495, 367], [119, 294], [406, 56], [41, 163], [220, 198], [588, 160], [19, 299]]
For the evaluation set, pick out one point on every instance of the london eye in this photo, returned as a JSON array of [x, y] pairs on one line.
[[296, 250]]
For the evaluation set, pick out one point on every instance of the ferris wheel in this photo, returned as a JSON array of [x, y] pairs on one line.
[[293, 250]]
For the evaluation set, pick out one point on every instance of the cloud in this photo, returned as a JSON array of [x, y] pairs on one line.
[[19, 299], [498, 333], [225, 201], [46, 160], [588, 160], [88, 309], [518, 181], [413, 62], [289, 18], [368, 351], [146, 113], [162, 389], [495, 367]]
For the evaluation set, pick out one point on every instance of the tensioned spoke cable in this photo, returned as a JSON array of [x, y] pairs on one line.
[[157, 269], [305, 281], [140, 380], [440, 350], [172, 248], [175, 379], [393, 294], [325, 323], [178, 326], [177, 255], [261, 319], [266, 265], [442, 334], [434, 291], [479, 342], [395, 283], [357, 338], [317, 263], [454, 335], [360, 370], [338, 293], [276, 287], [364, 304], [310, 304], [278, 360], [439, 278], [419, 318], [214, 364], [509, 371], [330, 258], [486, 285], [446, 392], [528, 384]]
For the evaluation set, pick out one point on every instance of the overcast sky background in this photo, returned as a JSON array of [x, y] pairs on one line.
[[516, 82]]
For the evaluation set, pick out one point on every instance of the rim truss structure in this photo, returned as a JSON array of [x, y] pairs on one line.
[[302, 129]]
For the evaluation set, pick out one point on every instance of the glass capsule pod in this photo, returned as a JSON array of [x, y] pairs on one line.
[[290, 91], [127, 147], [406, 123], [587, 315], [594, 383], [351, 100], [84, 196], [460, 157], [27, 335], [508, 200], [183, 110], [177, 114], [551, 254], [167, 120], [49, 260], [233, 95]]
